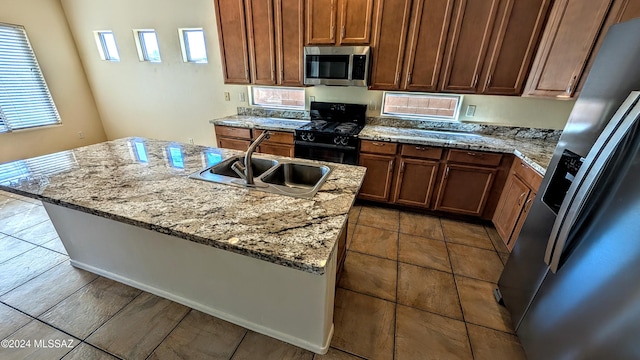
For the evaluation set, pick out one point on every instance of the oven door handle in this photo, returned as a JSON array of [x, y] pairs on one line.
[[325, 146]]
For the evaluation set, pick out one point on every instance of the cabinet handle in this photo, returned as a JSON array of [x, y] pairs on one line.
[[528, 203], [488, 81], [408, 78], [570, 87], [395, 81], [273, 75], [281, 75], [377, 144], [421, 148], [246, 73], [402, 167], [342, 33], [446, 173], [473, 154], [332, 30], [391, 165], [475, 81], [520, 198], [523, 165]]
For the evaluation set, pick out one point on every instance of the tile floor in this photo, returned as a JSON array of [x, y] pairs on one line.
[[413, 287]]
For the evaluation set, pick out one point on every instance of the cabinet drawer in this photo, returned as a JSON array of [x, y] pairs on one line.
[[234, 132], [474, 157], [531, 177], [378, 147], [419, 151], [234, 144], [279, 137]]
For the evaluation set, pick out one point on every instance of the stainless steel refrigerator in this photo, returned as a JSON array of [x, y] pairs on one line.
[[572, 282]]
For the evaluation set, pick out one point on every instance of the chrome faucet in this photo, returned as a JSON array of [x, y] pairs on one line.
[[246, 171]]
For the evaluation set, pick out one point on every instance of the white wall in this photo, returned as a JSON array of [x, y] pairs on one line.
[[55, 50]]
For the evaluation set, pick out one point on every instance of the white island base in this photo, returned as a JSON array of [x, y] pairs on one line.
[[284, 303]]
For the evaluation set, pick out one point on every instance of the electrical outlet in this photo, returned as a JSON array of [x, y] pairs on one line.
[[471, 111], [242, 97], [372, 105], [312, 98], [191, 141], [80, 135], [227, 96]]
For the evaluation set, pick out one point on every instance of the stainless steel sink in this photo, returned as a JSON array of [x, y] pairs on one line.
[[285, 177]]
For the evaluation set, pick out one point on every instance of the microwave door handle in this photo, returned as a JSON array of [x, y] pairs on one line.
[[587, 177], [350, 68]]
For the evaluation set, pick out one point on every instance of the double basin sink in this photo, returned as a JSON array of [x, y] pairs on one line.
[[284, 177]]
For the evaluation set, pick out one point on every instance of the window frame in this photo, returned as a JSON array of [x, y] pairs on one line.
[[143, 54], [103, 49], [454, 118], [185, 46], [277, 107]]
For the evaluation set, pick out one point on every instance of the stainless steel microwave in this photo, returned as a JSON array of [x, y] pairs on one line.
[[336, 65]]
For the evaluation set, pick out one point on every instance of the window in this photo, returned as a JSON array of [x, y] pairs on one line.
[[289, 98], [425, 106], [107, 46], [147, 44], [193, 45], [25, 101]]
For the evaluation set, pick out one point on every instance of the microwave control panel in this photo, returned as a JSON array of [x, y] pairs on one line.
[[358, 70]]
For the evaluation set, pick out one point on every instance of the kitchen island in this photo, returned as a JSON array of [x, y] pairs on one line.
[[126, 209]]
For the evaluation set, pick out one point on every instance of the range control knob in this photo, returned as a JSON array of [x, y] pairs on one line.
[[336, 140], [311, 137], [341, 140], [344, 141], [303, 136]]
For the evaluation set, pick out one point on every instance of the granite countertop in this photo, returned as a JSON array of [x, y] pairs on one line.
[[257, 122], [145, 183]]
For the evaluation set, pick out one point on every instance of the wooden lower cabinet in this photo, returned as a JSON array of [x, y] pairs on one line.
[[415, 182], [377, 181], [280, 143], [465, 189]]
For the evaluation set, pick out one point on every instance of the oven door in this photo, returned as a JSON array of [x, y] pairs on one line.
[[326, 152]]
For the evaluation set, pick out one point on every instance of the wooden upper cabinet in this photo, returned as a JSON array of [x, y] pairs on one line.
[[321, 22], [469, 36], [566, 45], [262, 48], [392, 19], [354, 22], [232, 34], [289, 19], [515, 37], [426, 44]]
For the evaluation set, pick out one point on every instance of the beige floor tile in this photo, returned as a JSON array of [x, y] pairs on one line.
[[37, 331], [374, 241], [258, 346], [466, 234], [335, 354], [422, 335], [44, 291], [18, 222], [429, 290], [379, 217], [55, 245], [24, 267], [354, 213], [97, 302], [475, 263], [364, 325], [504, 257], [496, 240], [480, 307], [423, 252], [488, 344], [139, 328], [11, 247], [420, 225], [23, 198], [86, 352], [38, 234], [370, 275], [200, 336], [11, 320], [10, 207]]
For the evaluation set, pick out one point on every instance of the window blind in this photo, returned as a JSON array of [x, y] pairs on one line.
[[41, 166], [25, 101]]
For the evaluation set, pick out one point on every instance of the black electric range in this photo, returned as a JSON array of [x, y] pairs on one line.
[[332, 134]]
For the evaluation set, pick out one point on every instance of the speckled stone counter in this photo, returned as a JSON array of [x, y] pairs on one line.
[[257, 122], [145, 183]]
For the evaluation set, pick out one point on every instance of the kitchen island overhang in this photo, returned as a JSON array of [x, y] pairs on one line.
[[262, 261]]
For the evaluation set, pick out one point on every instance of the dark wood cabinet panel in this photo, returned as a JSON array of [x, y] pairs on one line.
[[392, 19], [235, 144], [426, 44], [469, 35], [232, 35], [262, 48], [512, 201], [277, 149], [377, 181], [289, 19], [565, 47], [355, 22], [415, 183], [321, 22], [465, 189], [516, 36]]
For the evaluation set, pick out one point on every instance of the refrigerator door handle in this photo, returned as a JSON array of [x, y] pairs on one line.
[[588, 176]]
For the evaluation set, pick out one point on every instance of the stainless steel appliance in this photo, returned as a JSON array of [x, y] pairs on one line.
[[336, 65], [572, 282], [332, 134]]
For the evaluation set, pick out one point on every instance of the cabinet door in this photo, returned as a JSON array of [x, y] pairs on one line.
[[321, 22], [566, 45], [262, 49], [512, 201], [516, 34], [377, 181], [289, 15], [426, 44], [468, 42], [392, 19], [277, 149], [235, 144], [415, 183], [355, 22], [523, 216], [232, 34], [465, 189]]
